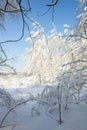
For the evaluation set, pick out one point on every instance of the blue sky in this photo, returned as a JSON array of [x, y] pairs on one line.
[[65, 13]]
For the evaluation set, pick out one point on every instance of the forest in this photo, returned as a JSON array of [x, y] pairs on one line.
[[50, 91]]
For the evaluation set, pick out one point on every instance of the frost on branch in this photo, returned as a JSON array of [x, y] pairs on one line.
[[6, 98]]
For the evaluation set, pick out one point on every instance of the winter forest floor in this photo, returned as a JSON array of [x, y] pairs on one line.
[[74, 118]]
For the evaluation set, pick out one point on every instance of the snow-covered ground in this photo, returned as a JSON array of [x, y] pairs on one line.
[[74, 118]]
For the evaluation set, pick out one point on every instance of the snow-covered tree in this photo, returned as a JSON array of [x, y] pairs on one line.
[[80, 31], [44, 59]]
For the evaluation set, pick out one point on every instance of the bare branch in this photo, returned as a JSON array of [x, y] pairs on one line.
[[85, 27], [45, 12], [54, 2], [21, 103]]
